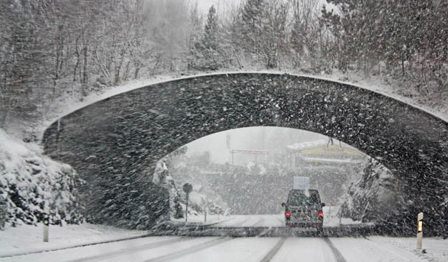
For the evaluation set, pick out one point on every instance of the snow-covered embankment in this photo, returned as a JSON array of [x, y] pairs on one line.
[[31, 182]]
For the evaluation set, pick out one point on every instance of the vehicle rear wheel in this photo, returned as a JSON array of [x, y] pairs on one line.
[[320, 230]]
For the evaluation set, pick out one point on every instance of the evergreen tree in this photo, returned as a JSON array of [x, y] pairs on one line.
[[206, 51], [210, 40], [260, 30], [401, 34], [273, 39], [195, 21], [251, 25], [302, 30]]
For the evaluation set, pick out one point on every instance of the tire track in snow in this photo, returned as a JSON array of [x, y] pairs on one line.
[[273, 250], [259, 222], [336, 253], [134, 249], [281, 220], [190, 250], [232, 223]]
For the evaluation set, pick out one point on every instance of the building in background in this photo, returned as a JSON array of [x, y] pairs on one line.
[[323, 153]]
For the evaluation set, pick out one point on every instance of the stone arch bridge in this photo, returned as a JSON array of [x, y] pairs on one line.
[[115, 143]]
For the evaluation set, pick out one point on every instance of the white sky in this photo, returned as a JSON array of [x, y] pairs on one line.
[[252, 138], [221, 5]]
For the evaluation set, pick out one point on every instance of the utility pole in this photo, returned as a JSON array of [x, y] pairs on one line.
[[205, 206], [58, 149]]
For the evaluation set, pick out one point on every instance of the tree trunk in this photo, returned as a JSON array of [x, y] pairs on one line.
[[84, 74], [118, 67], [402, 65], [137, 70], [75, 68], [126, 71]]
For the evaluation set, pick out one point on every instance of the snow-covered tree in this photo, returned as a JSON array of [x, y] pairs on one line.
[[207, 50]]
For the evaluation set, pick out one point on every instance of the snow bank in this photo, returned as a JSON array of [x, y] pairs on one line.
[[31, 182], [26, 238], [162, 178], [198, 199], [375, 196], [435, 249]]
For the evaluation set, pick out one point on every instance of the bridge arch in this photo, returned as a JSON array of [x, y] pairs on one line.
[[128, 133]]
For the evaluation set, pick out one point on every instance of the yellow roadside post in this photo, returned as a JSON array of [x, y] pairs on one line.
[[419, 230]]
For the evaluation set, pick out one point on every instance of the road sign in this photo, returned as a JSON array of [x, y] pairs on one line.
[[187, 189], [301, 182]]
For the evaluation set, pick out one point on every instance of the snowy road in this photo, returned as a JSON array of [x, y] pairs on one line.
[[330, 219], [235, 249], [180, 248], [252, 221]]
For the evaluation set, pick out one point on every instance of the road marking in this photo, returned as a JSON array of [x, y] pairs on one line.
[[274, 250], [336, 253], [190, 250]]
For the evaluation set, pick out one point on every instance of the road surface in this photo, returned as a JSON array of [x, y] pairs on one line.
[[232, 249], [246, 249]]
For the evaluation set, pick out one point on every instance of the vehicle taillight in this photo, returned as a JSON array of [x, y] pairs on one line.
[[287, 214], [321, 214]]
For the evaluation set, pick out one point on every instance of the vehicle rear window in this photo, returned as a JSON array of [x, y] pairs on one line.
[[299, 198]]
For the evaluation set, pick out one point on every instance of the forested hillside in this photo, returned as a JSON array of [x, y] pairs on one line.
[[51, 49]]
